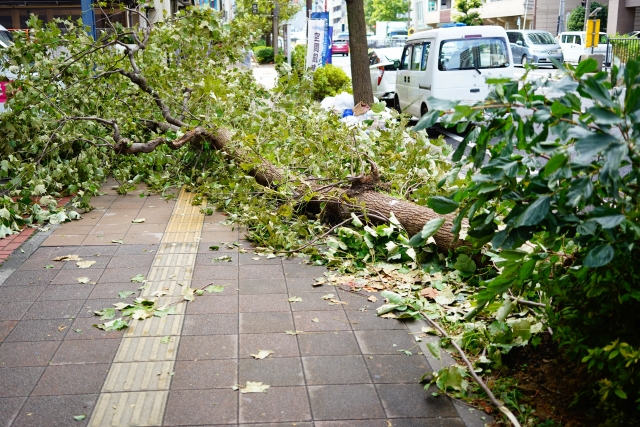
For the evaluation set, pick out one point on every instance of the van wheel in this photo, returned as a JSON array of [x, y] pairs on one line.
[[396, 104], [524, 60], [423, 109]]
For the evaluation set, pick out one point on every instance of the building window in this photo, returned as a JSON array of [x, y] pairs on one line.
[[443, 4], [431, 6], [420, 11]]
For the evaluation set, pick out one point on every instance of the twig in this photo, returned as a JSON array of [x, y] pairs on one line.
[[501, 407], [525, 302], [318, 238]]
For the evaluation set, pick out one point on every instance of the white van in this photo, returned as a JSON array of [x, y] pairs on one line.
[[451, 63], [573, 45]]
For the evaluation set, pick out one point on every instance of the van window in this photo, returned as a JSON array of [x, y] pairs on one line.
[[406, 58], [473, 53], [578, 40], [541, 38], [416, 58], [425, 55], [5, 38], [512, 37], [603, 39]]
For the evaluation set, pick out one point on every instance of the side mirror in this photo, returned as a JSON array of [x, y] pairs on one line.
[[519, 42]]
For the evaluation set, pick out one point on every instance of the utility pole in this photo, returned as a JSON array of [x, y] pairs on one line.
[[275, 29], [587, 7], [561, 17]]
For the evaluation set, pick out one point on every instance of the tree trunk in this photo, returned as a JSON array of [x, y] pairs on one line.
[[361, 80]]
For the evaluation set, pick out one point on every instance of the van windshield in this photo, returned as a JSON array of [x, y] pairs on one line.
[[473, 54], [541, 38]]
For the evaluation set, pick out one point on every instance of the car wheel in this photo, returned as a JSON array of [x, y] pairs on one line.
[[524, 60], [423, 109], [396, 104]]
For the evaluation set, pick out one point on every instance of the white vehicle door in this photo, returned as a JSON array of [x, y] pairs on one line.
[[415, 85], [401, 77], [571, 47]]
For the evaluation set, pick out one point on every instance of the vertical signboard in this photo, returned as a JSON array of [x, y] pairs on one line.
[[319, 40]]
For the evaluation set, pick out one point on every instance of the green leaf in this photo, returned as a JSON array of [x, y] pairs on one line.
[[79, 417], [465, 264], [604, 116], [429, 229], [212, 289], [609, 221], [621, 394], [107, 313], [165, 340], [427, 120], [214, 248], [434, 349], [139, 278], [442, 205], [554, 164], [587, 66], [535, 212], [125, 294], [599, 256]]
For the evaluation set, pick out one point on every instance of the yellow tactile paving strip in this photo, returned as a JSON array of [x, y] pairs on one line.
[[136, 389]]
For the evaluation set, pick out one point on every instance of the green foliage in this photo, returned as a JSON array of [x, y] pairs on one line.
[[557, 202], [263, 22], [264, 54], [468, 16], [298, 58], [575, 22], [386, 10], [330, 80]]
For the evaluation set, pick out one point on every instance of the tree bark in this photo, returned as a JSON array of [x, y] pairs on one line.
[[361, 81]]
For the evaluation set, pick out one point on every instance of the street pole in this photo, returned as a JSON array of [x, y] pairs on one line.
[[526, 9], [587, 7], [275, 29], [561, 18]]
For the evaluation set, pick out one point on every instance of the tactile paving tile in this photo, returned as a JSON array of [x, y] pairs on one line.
[[135, 391]]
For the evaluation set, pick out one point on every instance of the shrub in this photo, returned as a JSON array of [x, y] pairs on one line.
[[264, 54], [298, 58], [330, 80]]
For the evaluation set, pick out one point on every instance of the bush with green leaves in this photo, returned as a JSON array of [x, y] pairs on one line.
[[558, 202], [263, 54], [298, 58], [330, 80]]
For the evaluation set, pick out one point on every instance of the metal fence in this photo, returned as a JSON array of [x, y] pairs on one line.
[[623, 49]]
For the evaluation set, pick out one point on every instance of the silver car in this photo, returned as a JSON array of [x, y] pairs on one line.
[[534, 47], [383, 64]]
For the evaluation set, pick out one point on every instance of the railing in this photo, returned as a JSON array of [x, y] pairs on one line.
[[623, 49]]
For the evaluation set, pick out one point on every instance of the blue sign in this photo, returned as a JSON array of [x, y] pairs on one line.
[[326, 45]]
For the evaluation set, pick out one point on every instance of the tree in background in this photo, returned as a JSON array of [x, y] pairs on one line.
[[360, 76], [368, 12], [263, 21], [387, 10], [576, 17], [467, 16]]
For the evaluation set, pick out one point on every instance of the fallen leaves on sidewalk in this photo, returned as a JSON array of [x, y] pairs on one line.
[[83, 280], [254, 387], [67, 258], [262, 354], [85, 264]]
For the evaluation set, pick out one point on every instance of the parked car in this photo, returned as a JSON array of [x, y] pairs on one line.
[[341, 36], [383, 64], [573, 44], [534, 46], [451, 63], [340, 46]]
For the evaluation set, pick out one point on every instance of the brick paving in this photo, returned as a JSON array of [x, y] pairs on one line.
[[343, 368]]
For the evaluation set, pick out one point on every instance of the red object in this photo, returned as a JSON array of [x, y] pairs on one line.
[[3, 91], [380, 74], [340, 46]]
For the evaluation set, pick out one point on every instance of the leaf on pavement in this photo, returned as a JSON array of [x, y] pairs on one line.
[[254, 387], [372, 298], [262, 354], [292, 332], [83, 280], [446, 296], [121, 241], [85, 264], [211, 289], [334, 301], [429, 293], [125, 294], [138, 278], [328, 296], [315, 319], [165, 339], [138, 220], [67, 258], [79, 417], [48, 266], [222, 258], [294, 299]]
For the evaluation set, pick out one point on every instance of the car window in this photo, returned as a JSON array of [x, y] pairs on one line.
[[541, 38], [520, 38], [603, 39], [416, 58], [373, 58], [512, 37], [473, 53], [425, 55], [406, 57], [578, 40]]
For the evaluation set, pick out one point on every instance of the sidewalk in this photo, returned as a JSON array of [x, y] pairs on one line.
[[343, 367]]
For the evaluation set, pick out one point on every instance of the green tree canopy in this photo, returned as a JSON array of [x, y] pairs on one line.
[[468, 16], [576, 17], [384, 10], [263, 20]]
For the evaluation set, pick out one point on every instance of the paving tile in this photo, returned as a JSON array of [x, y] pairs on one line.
[[64, 240], [214, 303], [398, 368], [39, 264], [16, 354], [254, 323], [278, 404], [19, 381], [85, 352], [206, 324], [56, 411], [70, 277], [385, 341], [66, 292], [9, 408], [199, 407], [264, 302], [52, 252], [358, 423], [289, 424], [216, 272], [328, 344], [96, 251], [223, 248], [39, 330], [210, 259], [357, 301], [6, 327], [260, 272], [303, 270], [368, 320], [135, 249], [208, 347], [30, 277], [249, 259], [111, 290], [305, 284], [262, 286], [411, 400], [143, 238], [83, 329], [325, 370], [100, 263], [277, 372], [20, 293], [147, 227], [283, 345], [55, 309], [121, 274], [220, 236], [312, 301], [204, 374], [90, 307], [430, 422], [73, 228], [103, 239], [340, 402], [313, 321], [71, 379], [13, 310]]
